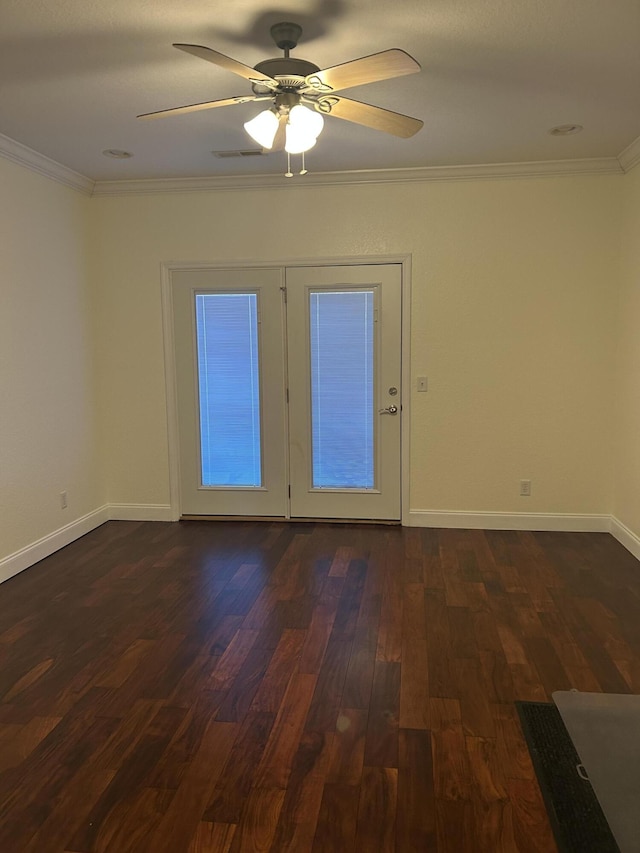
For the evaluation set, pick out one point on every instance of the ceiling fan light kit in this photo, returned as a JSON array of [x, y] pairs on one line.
[[263, 128], [302, 128], [301, 94]]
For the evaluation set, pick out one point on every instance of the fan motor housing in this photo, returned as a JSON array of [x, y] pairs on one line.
[[290, 73]]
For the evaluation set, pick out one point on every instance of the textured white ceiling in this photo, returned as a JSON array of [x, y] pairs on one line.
[[496, 75]]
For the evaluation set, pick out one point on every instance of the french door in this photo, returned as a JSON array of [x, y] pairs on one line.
[[288, 388]]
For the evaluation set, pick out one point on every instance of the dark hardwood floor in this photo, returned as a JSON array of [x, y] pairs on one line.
[[198, 687]]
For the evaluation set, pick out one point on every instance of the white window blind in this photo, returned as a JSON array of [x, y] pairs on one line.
[[342, 384], [229, 389]]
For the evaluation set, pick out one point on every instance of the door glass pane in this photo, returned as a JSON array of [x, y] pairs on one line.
[[229, 389], [341, 332]]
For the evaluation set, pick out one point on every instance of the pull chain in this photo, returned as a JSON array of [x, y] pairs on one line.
[[289, 173]]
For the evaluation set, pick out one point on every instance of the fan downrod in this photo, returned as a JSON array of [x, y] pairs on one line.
[[286, 35]]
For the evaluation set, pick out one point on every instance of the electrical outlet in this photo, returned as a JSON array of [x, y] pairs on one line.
[[525, 488], [63, 500]]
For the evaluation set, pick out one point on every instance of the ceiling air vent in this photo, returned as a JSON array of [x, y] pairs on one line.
[[251, 152]]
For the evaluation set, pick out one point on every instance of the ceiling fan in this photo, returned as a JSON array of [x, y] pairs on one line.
[[301, 93]]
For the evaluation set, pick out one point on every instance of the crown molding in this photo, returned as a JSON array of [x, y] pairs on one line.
[[43, 165], [630, 157], [24, 156], [489, 171]]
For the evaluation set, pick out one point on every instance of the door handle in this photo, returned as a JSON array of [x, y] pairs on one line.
[[390, 410]]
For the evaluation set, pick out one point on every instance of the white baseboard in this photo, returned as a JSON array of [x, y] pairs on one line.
[[510, 521], [25, 557], [36, 551], [141, 512], [31, 554], [626, 537]]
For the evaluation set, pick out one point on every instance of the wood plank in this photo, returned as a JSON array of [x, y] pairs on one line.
[[390, 631], [512, 753], [212, 838], [181, 819], [257, 829], [282, 664], [327, 697], [131, 822], [26, 808], [229, 796], [456, 827], [277, 760], [493, 826], [321, 625], [487, 773], [451, 770], [464, 643], [270, 686], [17, 742], [346, 617], [414, 676], [477, 718], [416, 805], [239, 697], [125, 664], [359, 676], [496, 676], [105, 816], [28, 679], [347, 748], [230, 662], [531, 827], [442, 678], [340, 563], [551, 671], [376, 827], [381, 744], [176, 759], [336, 827], [299, 814]]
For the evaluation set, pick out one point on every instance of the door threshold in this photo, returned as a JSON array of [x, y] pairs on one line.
[[281, 518]]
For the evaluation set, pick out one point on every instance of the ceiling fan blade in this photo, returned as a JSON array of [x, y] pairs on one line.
[[367, 115], [368, 69], [207, 105], [228, 64]]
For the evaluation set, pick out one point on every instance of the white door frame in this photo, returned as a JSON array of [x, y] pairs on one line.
[[168, 267]]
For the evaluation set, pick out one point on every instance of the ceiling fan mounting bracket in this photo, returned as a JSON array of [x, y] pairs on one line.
[[287, 72], [286, 35]]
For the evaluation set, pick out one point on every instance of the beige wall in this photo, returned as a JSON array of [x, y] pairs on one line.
[[524, 316], [47, 401], [513, 321], [626, 506]]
